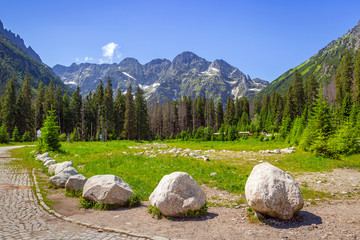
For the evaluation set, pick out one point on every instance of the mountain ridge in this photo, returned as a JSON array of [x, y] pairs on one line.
[[323, 64], [187, 74]]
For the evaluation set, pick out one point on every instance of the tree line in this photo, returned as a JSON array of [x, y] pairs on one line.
[[302, 116]]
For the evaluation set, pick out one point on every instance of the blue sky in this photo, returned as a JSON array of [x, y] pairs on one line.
[[262, 38]]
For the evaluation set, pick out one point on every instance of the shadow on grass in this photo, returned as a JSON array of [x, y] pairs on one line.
[[303, 218]]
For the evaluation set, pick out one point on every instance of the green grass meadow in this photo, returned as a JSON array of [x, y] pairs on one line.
[[143, 173]]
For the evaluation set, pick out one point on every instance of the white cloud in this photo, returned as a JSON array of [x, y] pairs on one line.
[[88, 59], [77, 60], [108, 52]]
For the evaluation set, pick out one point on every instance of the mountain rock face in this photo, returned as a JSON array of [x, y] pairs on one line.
[[323, 64], [19, 42], [16, 62], [161, 79]]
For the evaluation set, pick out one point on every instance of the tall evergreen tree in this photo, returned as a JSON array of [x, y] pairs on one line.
[[343, 78], [108, 106], [39, 106], [141, 115], [229, 117], [25, 116], [119, 113], [219, 115], [66, 120], [357, 77], [129, 125], [75, 108], [8, 111]]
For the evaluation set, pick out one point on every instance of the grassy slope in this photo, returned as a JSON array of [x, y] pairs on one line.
[[144, 173]]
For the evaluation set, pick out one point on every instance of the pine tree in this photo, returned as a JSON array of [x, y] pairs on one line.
[[8, 111], [129, 127], [66, 120], [15, 137], [4, 135], [99, 105], [219, 115], [25, 117], [75, 108], [39, 106], [26, 137], [141, 116], [49, 99], [50, 133], [357, 77], [298, 95], [229, 117], [343, 78], [119, 113], [108, 106]]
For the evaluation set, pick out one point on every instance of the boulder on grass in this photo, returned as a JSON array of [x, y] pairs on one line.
[[108, 189], [271, 191], [49, 162], [61, 178], [75, 183], [176, 194], [52, 168], [42, 156], [61, 166]]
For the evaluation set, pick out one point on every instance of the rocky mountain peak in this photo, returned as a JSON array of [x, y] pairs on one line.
[[129, 62], [17, 40]]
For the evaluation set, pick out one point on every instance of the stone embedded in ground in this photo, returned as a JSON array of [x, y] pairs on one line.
[[52, 168], [75, 183], [42, 156], [176, 194], [50, 162], [108, 189], [61, 178], [271, 191], [61, 166]]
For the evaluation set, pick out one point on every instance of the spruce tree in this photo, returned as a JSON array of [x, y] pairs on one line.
[[8, 111], [108, 106], [141, 116], [343, 78], [129, 124], [219, 115], [75, 108], [15, 136], [119, 113], [25, 116], [66, 120], [50, 140], [39, 106], [357, 77], [229, 117], [4, 135]]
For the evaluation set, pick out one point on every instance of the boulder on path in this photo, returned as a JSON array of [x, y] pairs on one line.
[[108, 189], [52, 168], [176, 194], [75, 183], [61, 166], [61, 178], [271, 191]]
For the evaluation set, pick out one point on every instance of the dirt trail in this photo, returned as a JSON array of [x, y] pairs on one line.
[[338, 218]]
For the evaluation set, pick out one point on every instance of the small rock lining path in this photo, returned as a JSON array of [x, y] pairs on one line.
[[22, 218]]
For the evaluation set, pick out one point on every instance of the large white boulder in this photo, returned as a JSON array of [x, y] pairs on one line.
[[61, 166], [42, 156], [108, 189], [271, 191], [52, 168], [61, 178], [49, 162], [176, 194], [76, 183]]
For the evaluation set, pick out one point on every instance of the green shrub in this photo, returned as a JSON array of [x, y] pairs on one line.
[[189, 214], [15, 137], [26, 137], [4, 137], [74, 136], [63, 137]]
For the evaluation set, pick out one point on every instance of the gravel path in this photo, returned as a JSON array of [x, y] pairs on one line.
[[22, 218]]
